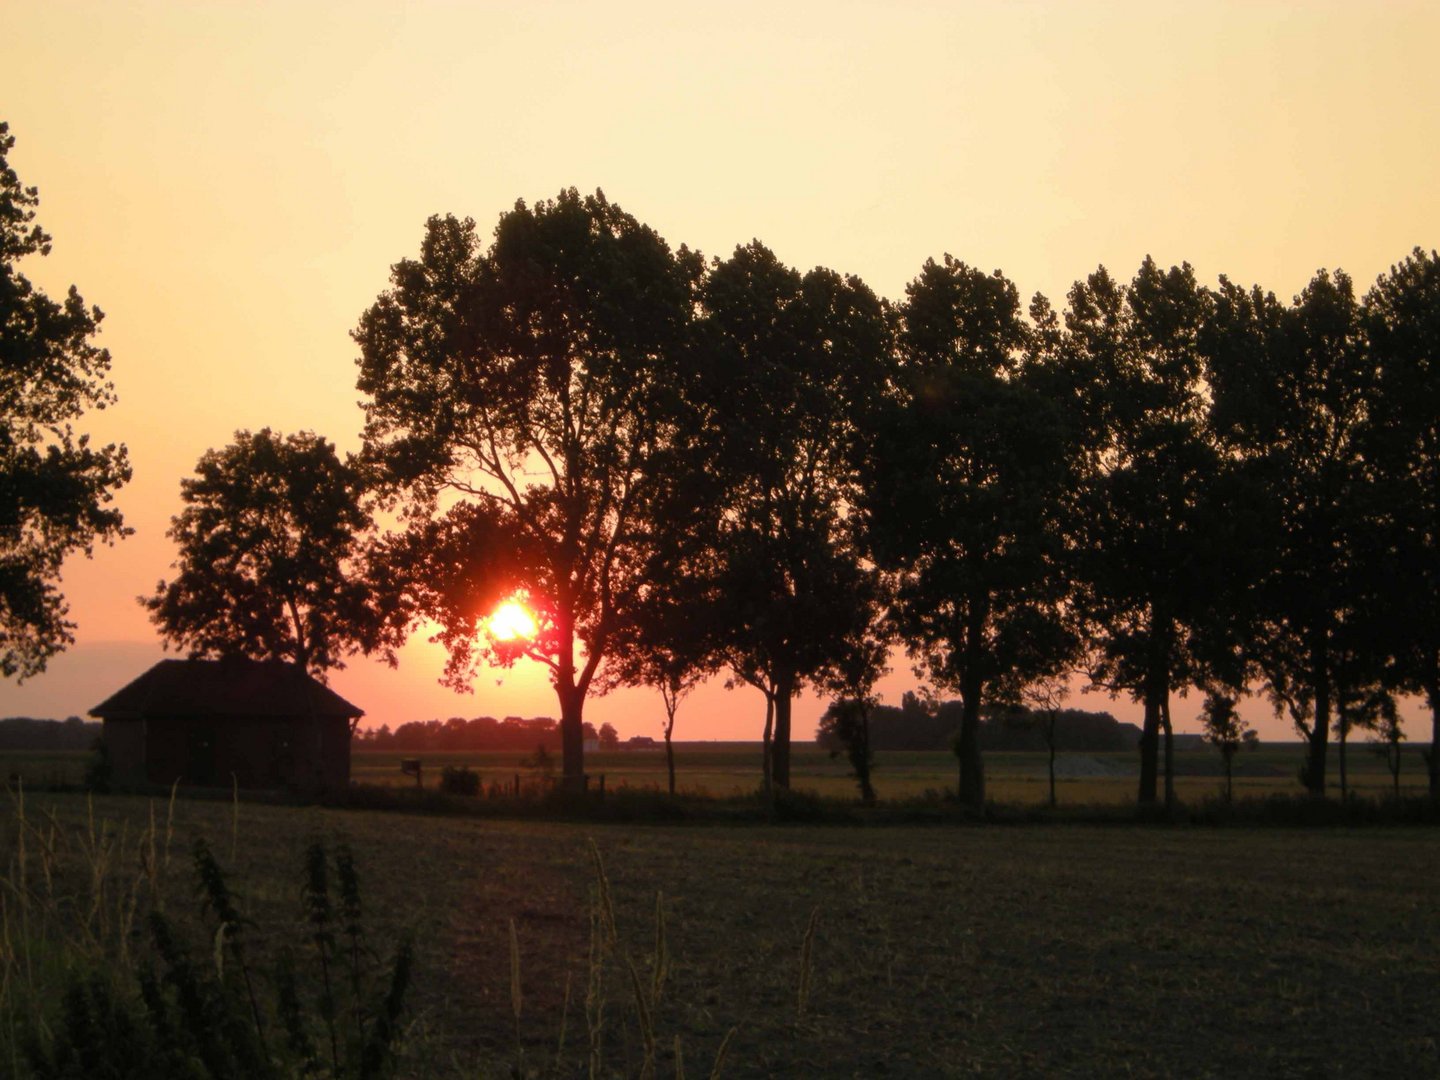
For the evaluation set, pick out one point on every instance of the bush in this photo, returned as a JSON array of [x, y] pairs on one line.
[[459, 781], [98, 769]]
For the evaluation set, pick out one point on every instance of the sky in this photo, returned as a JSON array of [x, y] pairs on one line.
[[231, 182]]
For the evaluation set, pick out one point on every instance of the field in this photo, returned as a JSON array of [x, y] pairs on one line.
[[939, 951], [728, 769], [725, 769]]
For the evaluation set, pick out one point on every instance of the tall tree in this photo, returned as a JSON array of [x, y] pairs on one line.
[[56, 489], [523, 396], [965, 495], [796, 357], [1403, 329], [270, 560], [1292, 390], [1156, 531]]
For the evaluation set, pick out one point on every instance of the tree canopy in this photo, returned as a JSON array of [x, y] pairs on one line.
[[519, 400], [269, 563], [56, 488]]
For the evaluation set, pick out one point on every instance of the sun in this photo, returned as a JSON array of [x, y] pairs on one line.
[[511, 621]]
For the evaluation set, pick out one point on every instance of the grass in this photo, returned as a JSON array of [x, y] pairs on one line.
[[1065, 950], [725, 770]]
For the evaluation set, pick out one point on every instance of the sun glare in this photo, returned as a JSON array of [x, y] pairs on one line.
[[512, 622]]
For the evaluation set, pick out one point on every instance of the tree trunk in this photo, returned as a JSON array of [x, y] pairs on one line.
[[972, 765], [1433, 693], [1150, 744], [767, 746], [1342, 733], [1051, 741], [1319, 741], [670, 754], [1168, 732], [572, 739], [780, 752]]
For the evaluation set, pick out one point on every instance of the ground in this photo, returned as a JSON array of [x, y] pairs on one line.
[[936, 951]]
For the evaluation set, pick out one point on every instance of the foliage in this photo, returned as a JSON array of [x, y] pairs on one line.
[[532, 386], [967, 470], [1226, 731], [1159, 550], [100, 769], [847, 722], [1402, 325], [1292, 390], [56, 488], [269, 559], [795, 360], [459, 780]]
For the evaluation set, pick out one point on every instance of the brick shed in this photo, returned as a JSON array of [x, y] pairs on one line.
[[267, 724]]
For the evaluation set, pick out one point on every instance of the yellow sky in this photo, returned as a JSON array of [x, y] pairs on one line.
[[231, 182]]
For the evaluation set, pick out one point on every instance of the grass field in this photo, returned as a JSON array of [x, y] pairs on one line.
[[725, 769], [1036, 950]]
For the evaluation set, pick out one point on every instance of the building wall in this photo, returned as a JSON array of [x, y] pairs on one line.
[[299, 754], [125, 739]]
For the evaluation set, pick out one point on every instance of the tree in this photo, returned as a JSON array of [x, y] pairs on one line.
[[852, 677], [56, 488], [964, 498], [609, 737], [1160, 544], [518, 405], [270, 563], [1391, 734], [846, 722], [1402, 323], [795, 358], [1226, 731], [1047, 701], [667, 642], [1292, 391]]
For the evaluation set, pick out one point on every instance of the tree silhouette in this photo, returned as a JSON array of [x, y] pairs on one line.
[[1292, 391], [964, 499], [793, 359], [1403, 329], [55, 488], [269, 557], [1157, 533], [518, 402]]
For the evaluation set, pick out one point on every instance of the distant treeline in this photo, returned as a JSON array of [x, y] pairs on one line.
[[920, 725], [28, 733], [459, 734]]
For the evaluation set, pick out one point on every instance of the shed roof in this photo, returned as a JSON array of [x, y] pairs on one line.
[[233, 687]]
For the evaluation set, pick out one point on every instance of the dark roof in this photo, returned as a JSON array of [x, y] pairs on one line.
[[231, 687]]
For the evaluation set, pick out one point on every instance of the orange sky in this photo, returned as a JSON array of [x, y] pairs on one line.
[[230, 182]]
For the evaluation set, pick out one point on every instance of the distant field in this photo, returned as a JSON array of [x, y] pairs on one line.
[[983, 950], [724, 769]]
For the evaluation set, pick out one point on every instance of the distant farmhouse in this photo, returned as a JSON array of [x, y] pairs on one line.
[[211, 723]]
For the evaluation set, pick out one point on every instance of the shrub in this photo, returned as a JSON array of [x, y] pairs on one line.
[[98, 769], [459, 781]]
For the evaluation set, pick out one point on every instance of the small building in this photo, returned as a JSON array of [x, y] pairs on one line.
[[210, 723], [640, 742]]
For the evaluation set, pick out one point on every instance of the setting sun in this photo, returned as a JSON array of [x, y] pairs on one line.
[[511, 621]]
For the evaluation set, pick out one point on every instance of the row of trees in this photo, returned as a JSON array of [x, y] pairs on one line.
[[734, 466], [482, 733], [687, 467]]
